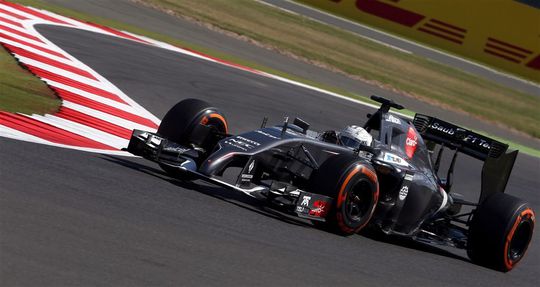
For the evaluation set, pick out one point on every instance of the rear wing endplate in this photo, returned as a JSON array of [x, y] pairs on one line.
[[498, 163]]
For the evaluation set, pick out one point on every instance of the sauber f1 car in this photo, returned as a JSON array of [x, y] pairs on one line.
[[383, 175]]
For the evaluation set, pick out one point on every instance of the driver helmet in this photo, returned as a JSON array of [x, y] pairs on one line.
[[354, 136]]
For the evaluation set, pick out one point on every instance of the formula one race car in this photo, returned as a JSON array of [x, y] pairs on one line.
[[381, 175]]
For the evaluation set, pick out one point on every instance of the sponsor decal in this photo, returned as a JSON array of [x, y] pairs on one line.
[[313, 205], [319, 209], [266, 134], [291, 132], [394, 159], [403, 192], [461, 134], [205, 120], [234, 143], [444, 30], [305, 200], [179, 149], [242, 143], [506, 51], [294, 192], [155, 140], [389, 12], [250, 167], [186, 162], [393, 119], [252, 142], [247, 177], [411, 142], [446, 130], [365, 154], [409, 177], [471, 139]]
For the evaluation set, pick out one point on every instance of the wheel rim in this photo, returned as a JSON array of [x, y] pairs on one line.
[[520, 241], [359, 201]]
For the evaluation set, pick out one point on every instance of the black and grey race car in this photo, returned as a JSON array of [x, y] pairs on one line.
[[383, 175]]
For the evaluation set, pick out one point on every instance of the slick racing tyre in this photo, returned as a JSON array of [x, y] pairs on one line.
[[354, 187], [179, 124], [180, 121], [500, 232]]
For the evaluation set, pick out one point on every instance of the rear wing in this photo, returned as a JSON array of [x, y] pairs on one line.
[[498, 163], [468, 142]]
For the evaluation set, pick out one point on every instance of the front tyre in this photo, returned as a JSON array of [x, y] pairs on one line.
[[354, 187], [180, 122], [500, 232]]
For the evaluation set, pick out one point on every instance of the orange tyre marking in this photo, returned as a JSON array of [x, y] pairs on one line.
[[507, 261], [207, 118], [341, 196], [222, 119]]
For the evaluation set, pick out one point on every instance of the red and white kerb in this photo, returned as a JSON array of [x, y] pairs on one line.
[[95, 115]]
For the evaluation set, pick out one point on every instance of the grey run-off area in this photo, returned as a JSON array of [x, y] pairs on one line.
[[75, 218], [127, 11], [440, 56]]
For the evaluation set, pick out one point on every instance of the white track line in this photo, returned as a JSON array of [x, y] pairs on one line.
[[327, 24], [75, 23], [414, 44], [133, 107]]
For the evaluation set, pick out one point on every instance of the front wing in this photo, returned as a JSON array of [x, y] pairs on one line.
[[184, 160]]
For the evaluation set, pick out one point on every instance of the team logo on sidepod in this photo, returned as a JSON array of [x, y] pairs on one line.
[[403, 192], [411, 142]]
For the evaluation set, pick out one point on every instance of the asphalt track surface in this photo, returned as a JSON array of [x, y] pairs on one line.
[[131, 13], [411, 46], [70, 218]]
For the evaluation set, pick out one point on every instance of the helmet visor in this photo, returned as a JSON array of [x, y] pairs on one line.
[[349, 142]]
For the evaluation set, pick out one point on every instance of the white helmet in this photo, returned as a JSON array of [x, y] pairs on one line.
[[354, 136]]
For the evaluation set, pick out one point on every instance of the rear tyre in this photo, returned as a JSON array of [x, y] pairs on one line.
[[181, 120], [500, 232], [354, 187]]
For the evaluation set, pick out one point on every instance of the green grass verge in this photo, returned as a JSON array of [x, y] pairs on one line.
[[533, 79], [512, 145], [359, 57], [160, 37], [522, 149], [20, 91], [227, 57]]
